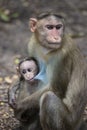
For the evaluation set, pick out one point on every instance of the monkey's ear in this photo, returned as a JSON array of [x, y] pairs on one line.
[[32, 24]]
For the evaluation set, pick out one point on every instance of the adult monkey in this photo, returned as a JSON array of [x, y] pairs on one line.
[[63, 103]]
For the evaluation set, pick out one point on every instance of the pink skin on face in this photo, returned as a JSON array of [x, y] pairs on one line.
[[28, 70]]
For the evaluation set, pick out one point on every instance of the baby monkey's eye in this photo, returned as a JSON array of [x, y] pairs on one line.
[[24, 71], [29, 70], [58, 26]]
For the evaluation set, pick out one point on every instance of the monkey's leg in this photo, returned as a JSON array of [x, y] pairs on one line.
[[52, 113]]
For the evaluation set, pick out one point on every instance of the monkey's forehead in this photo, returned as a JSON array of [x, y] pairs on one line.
[[49, 20], [47, 14], [28, 64]]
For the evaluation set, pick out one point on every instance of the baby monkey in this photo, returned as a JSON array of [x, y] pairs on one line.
[[28, 83], [27, 69]]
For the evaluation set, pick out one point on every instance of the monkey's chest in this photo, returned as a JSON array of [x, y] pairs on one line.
[[59, 77], [23, 91]]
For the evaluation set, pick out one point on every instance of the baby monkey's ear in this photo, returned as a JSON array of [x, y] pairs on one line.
[[18, 71], [17, 68]]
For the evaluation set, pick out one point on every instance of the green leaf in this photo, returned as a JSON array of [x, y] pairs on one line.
[[4, 17]]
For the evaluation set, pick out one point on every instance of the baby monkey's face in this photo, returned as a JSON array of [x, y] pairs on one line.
[[28, 69]]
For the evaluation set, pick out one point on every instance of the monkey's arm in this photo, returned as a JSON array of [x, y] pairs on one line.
[[32, 101], [12, 94], [74, 99]]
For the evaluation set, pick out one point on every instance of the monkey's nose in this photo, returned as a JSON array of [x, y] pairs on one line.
[[56, 38]]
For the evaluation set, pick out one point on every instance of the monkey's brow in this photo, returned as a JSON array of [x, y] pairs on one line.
[[44, 15]]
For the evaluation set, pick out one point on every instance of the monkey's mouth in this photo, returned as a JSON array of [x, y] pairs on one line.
[[54, 43], [31, 80], [58, 44]]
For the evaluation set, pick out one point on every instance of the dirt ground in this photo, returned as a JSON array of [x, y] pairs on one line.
[[14, 37]]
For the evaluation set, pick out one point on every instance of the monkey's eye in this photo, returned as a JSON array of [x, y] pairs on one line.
[[59, 26], [24, 71], [29, 70], [50, 27]]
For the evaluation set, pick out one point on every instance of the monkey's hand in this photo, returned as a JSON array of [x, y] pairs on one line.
[[32, 101], [26, 115], [12, 101], [31, 104], [12, 94], [27, 109]]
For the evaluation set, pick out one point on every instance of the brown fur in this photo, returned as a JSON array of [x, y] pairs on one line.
[[63, 100]]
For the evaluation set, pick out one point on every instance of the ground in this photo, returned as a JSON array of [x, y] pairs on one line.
[[14, 37]]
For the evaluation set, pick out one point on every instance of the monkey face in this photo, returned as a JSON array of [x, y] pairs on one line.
[[49, 32], [28, 70]]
